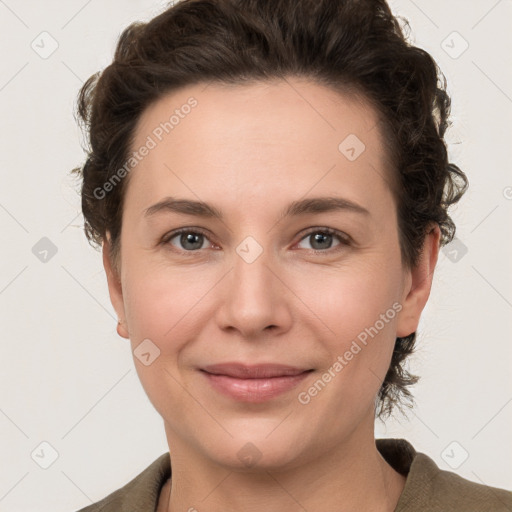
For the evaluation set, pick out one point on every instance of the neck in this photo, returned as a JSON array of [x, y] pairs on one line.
[[350, 476]]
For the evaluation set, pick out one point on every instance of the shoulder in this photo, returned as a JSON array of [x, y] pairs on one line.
[[429, 488], [141, 493]]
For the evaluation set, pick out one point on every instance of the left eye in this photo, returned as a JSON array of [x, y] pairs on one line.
[[322, 239]]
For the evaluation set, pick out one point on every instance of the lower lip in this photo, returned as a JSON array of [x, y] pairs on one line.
[[254, 390]]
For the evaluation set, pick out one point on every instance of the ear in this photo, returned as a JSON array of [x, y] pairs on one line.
[[418, 283], [115, 289]]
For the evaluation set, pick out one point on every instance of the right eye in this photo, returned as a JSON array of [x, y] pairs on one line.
[[188, 239]]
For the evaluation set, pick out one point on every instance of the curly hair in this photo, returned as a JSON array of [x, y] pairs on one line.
[[349, 45]]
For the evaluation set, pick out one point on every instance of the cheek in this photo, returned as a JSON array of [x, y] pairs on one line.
[[351, 299], [358, 312], [163, 304]]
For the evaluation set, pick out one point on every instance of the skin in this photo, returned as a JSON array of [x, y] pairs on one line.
[[250, 150]]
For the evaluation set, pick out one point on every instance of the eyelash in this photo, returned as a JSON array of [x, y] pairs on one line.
[[344, 239]]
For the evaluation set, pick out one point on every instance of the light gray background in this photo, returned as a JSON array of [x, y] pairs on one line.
[[69, 380]]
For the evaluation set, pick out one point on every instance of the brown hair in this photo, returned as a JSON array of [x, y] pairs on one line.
[[349, 45]]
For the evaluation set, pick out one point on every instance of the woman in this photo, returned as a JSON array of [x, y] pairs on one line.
[[270, 186]]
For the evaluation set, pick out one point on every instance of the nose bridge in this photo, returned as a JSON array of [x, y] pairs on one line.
[[253, 301], [251, 275]]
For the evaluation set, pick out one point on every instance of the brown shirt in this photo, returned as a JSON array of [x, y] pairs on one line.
[[427, 488]]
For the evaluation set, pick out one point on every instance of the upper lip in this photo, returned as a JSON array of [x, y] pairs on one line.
[[260, 371]]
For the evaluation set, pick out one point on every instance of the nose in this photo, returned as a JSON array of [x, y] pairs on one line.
[[255, 301]]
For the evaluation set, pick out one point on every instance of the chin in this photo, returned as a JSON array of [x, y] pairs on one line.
[[249, 453]]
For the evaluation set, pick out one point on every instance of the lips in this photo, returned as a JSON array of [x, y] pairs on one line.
[[254, 384], [261, 371]]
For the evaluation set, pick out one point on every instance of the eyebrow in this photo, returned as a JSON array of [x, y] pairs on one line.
[[296, 208]]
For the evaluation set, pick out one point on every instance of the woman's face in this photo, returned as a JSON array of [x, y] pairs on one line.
[[281, 277]]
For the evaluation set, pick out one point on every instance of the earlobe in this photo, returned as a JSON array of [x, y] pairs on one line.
[[121, 330], [418, 284], [114, 288]]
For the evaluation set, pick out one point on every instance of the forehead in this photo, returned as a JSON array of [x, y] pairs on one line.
[[290, 135]]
